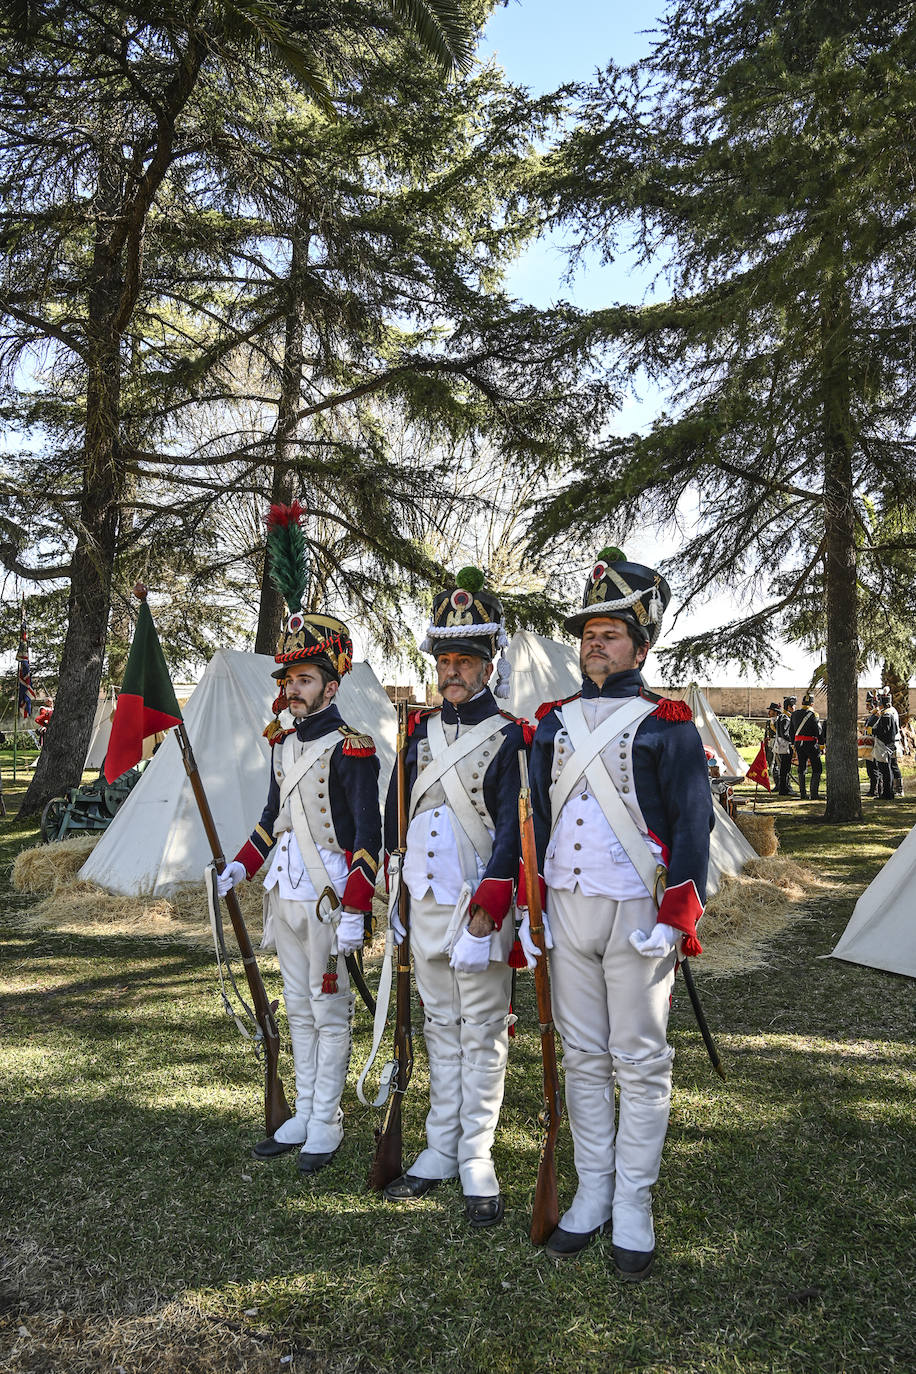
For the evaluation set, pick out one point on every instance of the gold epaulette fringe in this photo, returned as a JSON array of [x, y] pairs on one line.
[[356, 745]]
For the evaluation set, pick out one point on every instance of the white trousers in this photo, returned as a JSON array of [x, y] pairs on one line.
[[465, 1027], [611, 1009], [320, 1023]]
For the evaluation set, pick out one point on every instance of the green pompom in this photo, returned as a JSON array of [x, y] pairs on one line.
[[470, 580], [611, 555]]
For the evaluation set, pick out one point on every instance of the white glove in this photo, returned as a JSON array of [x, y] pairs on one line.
[[351, 932], [471, 953], [532, 953], [659, 943], [231, 876]]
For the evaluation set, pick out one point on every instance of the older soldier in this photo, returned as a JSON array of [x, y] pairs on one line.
[[615, 770], [461, 862], [322, 828]]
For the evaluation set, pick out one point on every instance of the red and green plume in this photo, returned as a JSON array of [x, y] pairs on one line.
[[146, 703], [287, 553]]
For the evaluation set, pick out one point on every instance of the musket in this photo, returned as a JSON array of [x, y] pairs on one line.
[[545, 1214], [388, 1162], [276, 1107]]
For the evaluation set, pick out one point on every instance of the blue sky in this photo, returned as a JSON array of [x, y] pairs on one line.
[[541, 45]]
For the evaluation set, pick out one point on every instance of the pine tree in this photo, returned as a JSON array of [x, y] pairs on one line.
[[762, 158]]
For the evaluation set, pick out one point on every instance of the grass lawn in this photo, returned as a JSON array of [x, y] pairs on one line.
[[138, 1234]]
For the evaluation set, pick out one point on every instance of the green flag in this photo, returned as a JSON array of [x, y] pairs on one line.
[[146, 703]]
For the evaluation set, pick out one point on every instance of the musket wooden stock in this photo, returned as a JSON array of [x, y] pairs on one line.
[[545, 1214], [388, 1162], [276, 1107]]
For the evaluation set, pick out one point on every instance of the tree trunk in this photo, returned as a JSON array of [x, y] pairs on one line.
[[271, 608], [844, 793], [60, 764]]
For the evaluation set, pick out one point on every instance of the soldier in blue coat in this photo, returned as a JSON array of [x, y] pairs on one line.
[[460, 869], [617, 771], [321, 833]]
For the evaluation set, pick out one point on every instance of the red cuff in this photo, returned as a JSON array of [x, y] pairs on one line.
[[495, 896], [522, 898], [250, 857], [358, 891], [681, 908]]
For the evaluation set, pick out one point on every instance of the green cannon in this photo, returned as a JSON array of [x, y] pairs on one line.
[[91, 806]]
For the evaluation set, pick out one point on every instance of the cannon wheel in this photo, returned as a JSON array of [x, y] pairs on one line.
[[51, 819]]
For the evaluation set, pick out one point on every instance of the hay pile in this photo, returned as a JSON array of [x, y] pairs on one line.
[[750, 909], [759, 830], [82, 908]]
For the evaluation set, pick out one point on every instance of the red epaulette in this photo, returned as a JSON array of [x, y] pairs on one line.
[[274, 732], [546, 707], [355, 745], [526, 727], [413, 717], [667, 708]]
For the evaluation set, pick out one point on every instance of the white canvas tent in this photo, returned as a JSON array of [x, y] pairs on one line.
[[713, 733], [542, 670], [156, 842], [881, 931], [101, 730], [546, 670]]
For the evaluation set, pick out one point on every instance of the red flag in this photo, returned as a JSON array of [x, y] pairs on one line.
[[758, 771], [146, 702]]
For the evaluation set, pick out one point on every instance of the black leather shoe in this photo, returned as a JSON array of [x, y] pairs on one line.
[[311, 1164], [633, 1265], [567, 1244], [409, 1187], [484, 1211], [270, 1148]]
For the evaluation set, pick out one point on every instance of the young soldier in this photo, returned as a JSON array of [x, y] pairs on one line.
[[615, 770], [805, 729], [872, 716], [461, 861], [322, 828]]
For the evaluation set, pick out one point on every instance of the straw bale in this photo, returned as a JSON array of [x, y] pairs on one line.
[[750, 909], [758, 830], [83, 908], [46, 866]]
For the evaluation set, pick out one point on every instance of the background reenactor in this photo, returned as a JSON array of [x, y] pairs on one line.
[[805, 729], [782, 745], [887, 739], [872, 716]]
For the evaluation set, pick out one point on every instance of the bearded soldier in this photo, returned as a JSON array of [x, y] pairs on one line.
[[321, 828], [619, 787], [805, 729], [461, 861]]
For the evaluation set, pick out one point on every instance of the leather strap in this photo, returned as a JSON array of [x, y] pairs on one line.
[[591, 745], [625, 829]]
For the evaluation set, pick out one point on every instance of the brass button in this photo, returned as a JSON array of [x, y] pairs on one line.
[[321, 796], [429, 875], [486, 753], [279, 868], [625, 789], [430, 853], [475, 775], [435, 813], [580, 821], [577, 846], [625, 735], [322, 809], [283, 847], [475, 789], [577, 870], [585, 796], [434, 832]]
